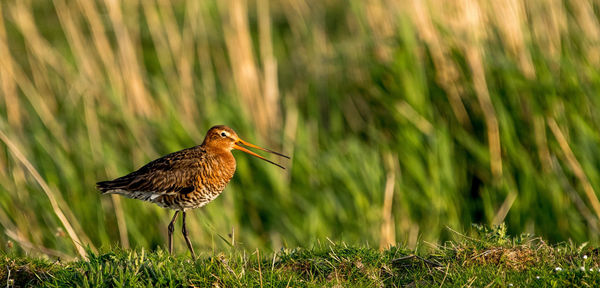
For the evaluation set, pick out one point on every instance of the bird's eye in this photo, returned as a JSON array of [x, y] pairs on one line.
[[223, 134]]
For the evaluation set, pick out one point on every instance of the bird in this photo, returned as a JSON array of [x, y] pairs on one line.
[[186, 179]]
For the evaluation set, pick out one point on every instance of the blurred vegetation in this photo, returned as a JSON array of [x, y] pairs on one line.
[[401, 117]]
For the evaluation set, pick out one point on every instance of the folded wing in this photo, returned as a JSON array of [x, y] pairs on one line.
[[172, 174]]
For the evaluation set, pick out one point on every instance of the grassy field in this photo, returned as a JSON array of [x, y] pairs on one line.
[[401, 119], [488, 260]]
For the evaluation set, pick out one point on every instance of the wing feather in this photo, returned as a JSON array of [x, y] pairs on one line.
[[170, 174]]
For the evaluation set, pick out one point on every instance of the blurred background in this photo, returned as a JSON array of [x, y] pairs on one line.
[[402, 118]]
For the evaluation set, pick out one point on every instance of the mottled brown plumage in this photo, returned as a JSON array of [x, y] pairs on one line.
[[185, 179]]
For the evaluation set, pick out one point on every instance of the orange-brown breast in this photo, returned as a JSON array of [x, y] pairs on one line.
[[208, 181]]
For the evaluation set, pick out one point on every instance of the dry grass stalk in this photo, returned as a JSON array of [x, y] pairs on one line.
[[388, 231], [575, 165], [138, 99], [49, 193], [9, 87], [447, 73]]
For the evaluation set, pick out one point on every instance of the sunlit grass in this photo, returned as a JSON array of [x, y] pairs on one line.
[[488, 259]]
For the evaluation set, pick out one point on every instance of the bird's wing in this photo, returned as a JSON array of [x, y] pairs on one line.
[[171, 174]]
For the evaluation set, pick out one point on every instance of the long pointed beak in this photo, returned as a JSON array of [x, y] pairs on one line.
[[237, 146]]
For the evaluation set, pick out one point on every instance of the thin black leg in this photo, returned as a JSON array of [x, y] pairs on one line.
[[185, 235], [171, 229]]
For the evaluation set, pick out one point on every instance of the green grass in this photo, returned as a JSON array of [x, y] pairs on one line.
[[490, 259], [401, 117]]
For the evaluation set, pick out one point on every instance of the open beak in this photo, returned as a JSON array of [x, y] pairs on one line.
[[237, 146]]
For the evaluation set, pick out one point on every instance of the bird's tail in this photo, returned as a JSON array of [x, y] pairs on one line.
[[104, 186], [107, 187]]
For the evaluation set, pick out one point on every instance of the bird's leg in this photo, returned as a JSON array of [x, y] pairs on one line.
[[185, 235], [171, 229]]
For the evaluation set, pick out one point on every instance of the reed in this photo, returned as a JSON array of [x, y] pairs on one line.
[[402, 118]]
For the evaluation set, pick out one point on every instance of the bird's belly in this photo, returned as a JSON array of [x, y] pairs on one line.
[[197, 201], [187, 201]]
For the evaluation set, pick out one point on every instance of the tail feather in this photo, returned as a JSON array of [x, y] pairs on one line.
[[110, 186], [103, 186], [122, 187]]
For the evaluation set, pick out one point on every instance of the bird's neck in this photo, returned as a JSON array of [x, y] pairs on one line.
[[224, 159], [215, 149], [219, 152]]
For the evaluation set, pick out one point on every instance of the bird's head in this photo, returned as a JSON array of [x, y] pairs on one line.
[[223, 137]]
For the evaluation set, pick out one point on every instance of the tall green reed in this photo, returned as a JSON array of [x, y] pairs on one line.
[[402, 118]]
